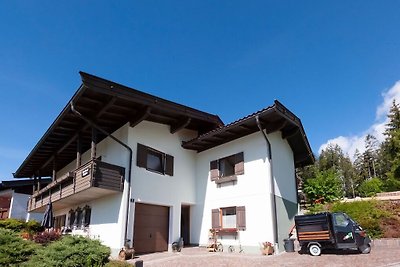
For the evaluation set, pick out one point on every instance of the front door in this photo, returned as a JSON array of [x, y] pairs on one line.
[[185, 224], [344, 231]]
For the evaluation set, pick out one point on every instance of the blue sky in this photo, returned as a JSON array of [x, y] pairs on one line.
[[333, 63]]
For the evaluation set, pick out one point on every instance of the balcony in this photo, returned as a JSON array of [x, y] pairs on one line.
[[92, 180]]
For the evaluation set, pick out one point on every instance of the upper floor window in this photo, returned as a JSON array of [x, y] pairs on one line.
[[154, 160], [227, 167]]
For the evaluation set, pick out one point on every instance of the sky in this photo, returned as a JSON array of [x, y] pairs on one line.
[[335, 64]]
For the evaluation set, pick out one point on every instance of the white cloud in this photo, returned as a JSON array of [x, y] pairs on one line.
[[349, 144]]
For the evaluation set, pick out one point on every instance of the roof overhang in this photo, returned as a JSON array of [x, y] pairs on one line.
[[109, 105], [274, 118]]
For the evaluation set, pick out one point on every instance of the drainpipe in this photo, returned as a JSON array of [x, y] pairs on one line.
[[273, 202], [77, 113]]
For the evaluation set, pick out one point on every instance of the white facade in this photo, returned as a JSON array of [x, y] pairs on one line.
[[191, 185]]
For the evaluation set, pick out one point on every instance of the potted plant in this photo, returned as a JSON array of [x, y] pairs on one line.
[[267, 248]]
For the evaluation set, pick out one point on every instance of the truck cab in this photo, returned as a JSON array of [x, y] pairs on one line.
[[336, 230]]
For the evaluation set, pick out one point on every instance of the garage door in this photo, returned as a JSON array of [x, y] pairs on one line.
[[151, 228]]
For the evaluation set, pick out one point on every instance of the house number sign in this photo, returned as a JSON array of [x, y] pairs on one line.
[[85, 172]]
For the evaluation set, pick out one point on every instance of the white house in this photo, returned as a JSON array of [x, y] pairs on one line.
[[14, 196], [132, 169]]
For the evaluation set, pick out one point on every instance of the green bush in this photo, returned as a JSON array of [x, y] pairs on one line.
[[370, 187], [71, 251], [367, 213], [33, 227], [391, 184], [324, 187], [13, 249], [13, 224], [16, 225]]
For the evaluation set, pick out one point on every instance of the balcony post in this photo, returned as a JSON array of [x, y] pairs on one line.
[[54, 169], [94, 141], [78, 151], [34, 184]]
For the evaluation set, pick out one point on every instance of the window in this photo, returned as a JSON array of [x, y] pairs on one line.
[[154, 160], [229, 218], [226, 169], [59, 221], [71, 219]]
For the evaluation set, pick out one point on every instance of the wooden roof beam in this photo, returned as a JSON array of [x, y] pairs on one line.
[[179, 126], [290, 133], [140, 116]]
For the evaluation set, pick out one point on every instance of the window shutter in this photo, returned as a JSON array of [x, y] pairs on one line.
[[215, 220], [241, 218], [239, 164], [141, 156], [169, 167], [214, 172]]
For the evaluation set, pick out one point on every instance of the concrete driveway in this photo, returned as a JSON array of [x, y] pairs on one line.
[[379, 256]]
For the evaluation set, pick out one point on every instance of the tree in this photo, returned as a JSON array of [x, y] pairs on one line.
[[326, 186], [390, 149], [333, 158]]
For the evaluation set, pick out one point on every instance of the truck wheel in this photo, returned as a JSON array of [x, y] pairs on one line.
[[365, 249], [314, 250]]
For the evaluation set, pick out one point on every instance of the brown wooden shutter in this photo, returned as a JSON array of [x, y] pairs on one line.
[[141, 156], [214, 172], [215, 219], [241, 218], [169, 167], [239, 164]]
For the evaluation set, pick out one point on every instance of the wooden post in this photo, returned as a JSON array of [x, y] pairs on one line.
[[34, 184], [39, 184], [54, 168], [94, 141], [78, 151]]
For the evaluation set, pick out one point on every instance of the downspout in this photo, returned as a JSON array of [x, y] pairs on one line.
[[273, 202], [77, 113]]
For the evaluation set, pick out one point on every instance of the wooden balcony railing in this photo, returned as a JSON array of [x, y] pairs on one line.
[[92, 180]]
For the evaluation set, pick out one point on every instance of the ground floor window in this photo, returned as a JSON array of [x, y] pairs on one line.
[[233, 218]]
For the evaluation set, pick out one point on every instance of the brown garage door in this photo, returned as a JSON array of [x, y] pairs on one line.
[[151, 228]]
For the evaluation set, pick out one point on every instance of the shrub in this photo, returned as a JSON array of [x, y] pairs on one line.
[[13, 224], [391, 184], [46, 237], [325, 187], [31, 227], [367, 213], [13, 249], [370, 187], [72, 251]]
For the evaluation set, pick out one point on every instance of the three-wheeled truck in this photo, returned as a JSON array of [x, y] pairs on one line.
[[336, 230]]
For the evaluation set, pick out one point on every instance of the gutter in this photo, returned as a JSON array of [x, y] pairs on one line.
[[77, 113], [273, 202]]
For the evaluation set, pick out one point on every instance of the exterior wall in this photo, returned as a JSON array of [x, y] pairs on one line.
[[191, 185], [18, 206], [252, 189], [285, 188], [157, 189], [108, 213]]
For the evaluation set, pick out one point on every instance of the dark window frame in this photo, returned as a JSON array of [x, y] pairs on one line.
[[217, 220], [166, 161], [227, 169]]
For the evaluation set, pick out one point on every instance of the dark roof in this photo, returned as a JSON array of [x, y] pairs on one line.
[[110, 105], [22, 186], [273, 118]]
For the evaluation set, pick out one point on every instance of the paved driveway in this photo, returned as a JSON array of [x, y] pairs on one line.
[[191, 257]]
